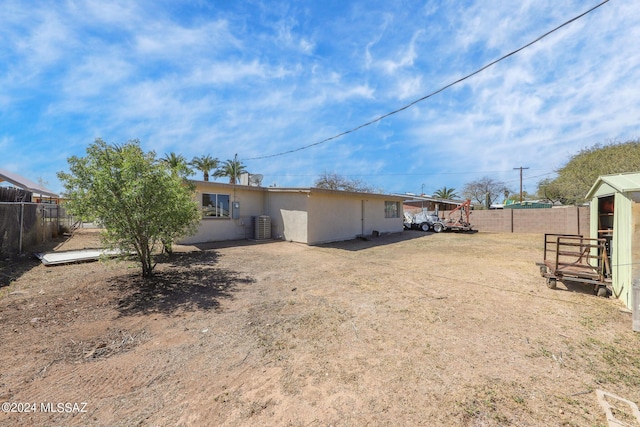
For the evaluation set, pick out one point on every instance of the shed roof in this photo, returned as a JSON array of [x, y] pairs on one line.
[[26, 184], [621, 182]]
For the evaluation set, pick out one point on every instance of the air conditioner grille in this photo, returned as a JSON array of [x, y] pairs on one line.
[[262, 227]]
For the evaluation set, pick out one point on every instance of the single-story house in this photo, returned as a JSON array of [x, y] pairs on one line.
[[305, 215]]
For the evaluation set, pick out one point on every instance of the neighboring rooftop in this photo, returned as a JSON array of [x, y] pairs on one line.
[[25, 184]]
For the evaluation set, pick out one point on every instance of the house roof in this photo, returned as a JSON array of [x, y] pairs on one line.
[[24, 183], [309, 190], [622, 182]]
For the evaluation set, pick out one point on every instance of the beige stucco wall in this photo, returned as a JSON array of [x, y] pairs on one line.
[[289, 215], [313, 216], [334, 217], [252, 203]]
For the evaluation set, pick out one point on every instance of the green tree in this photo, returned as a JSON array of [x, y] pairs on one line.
[[583, 169], [138, 201], [232, 169], [205, 164], [177, 163], [548, 189], [484, 191], [333, 181], [445, 193]]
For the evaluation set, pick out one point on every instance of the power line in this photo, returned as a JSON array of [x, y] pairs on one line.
[[527, 178], [428, 174], [411, 104]]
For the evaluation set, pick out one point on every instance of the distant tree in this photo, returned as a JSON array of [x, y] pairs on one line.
[[232, 169], [205, 164], [484, 191], [178, 163], [140, 203], [583, 169], [333, 181], [445, 193], [516, 196], [550, 190]]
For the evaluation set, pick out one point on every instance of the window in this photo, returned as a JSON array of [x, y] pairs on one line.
[[216, 206], [392, 209]]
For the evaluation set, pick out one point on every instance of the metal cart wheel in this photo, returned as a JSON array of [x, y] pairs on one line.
[[602, 291], [552, 282]]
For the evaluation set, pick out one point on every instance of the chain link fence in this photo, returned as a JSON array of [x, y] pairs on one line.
[[24, 225]]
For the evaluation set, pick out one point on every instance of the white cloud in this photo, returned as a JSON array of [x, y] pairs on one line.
[[405, 57], [274, 77]]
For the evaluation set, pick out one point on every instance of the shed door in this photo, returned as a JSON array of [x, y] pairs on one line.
[[605, 223]]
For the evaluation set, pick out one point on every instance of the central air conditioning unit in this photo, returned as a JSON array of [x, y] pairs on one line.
[[262, 227]]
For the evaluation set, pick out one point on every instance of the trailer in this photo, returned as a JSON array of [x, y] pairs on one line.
[[423, 220], [573, 258], [455, 222]]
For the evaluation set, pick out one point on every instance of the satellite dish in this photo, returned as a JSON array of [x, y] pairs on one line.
[[255, 180]]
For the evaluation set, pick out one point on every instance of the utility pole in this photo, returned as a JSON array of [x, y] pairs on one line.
[[521, 168]]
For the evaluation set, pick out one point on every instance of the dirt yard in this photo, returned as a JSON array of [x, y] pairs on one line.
[[413, 329]]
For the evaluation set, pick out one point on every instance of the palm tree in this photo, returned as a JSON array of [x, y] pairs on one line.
[[205, 164], [446, 193], [231, 168], [178, 163]]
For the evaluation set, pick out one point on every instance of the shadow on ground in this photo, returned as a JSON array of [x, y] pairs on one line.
[[182, 282], [13, 266], [367, 242], [578, 287]]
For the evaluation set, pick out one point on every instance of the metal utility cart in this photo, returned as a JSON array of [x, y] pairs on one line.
[[573, 258]]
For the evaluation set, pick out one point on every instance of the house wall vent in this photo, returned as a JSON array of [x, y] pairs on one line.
[[262, 227]]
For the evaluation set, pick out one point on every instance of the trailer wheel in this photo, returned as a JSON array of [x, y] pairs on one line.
[[438, 227], [552, 283], [543, 270], [424, 226], [602, 291]]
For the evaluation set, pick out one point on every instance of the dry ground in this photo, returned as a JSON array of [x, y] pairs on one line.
[[412, 329]]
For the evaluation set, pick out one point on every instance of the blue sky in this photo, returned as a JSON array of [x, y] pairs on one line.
[[258, 78]]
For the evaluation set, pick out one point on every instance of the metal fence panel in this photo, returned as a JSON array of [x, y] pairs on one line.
[[23, 225]]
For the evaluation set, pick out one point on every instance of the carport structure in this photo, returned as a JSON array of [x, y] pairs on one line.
[[615, 216], [26, 184]]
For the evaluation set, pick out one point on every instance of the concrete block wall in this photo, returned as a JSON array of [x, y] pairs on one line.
[[564, 220]]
